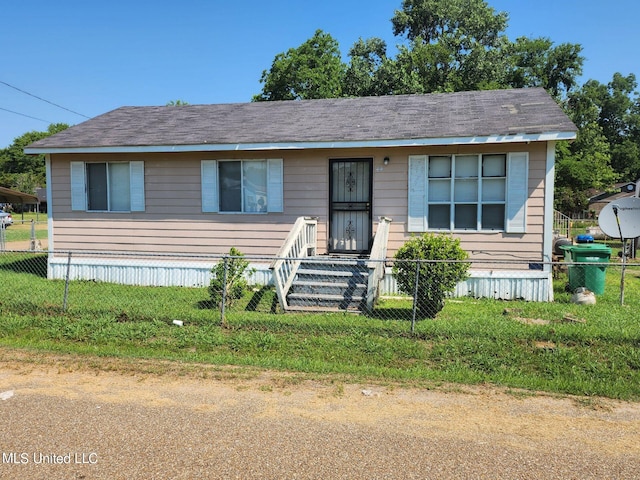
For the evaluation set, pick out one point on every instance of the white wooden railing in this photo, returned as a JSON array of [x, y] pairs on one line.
[[300, 243], [377, 260], [561, 224]]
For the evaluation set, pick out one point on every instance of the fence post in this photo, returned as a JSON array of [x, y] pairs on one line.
[[415, 298], [224, 290], [66, 284]]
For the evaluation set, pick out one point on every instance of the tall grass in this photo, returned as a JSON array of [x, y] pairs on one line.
[[472, 341]]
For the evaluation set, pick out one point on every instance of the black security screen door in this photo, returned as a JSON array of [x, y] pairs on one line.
[[350, 207]]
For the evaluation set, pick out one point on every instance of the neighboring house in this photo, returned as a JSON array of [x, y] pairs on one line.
[[601, 199], [204, 178]]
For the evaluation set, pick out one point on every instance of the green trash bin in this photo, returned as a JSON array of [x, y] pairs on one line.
[[591, 276]]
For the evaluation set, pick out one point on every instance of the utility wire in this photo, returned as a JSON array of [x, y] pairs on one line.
[[42, 99], [25, 115]]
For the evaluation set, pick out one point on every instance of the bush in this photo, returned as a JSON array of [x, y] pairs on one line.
[[233, 285], [441, 267]]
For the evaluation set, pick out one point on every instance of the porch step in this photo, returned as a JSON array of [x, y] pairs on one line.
[[310, 308], [329, 285], [325, 302]]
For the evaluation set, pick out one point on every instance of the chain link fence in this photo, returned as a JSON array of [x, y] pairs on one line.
[[138, 287]]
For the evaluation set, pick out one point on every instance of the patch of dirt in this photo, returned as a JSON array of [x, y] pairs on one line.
[[26, 245], [552, 432]]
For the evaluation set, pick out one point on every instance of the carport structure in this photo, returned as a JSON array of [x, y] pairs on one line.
[[15, 197]]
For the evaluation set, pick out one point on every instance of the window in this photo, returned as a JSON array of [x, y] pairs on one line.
[[242, 186], [107, 186], [468, 192]]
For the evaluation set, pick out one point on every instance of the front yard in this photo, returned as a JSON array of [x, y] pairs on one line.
[[554, 347]]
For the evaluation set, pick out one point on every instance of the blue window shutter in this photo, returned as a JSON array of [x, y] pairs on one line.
[[517, 192], [78, 188], [275, 196], [209, 181], [136, 181], [417, 201]]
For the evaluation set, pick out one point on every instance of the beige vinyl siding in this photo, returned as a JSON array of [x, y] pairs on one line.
[[306, 190], [173, 221], [169, 236]]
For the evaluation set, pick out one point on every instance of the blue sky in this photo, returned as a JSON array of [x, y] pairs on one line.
[[92, 57]]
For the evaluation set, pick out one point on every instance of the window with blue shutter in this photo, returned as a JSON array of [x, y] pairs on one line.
[[107, 186], [242, 186], [467, 192]]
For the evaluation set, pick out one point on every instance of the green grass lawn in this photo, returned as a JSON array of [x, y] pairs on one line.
[[472, 341], [21, 228]]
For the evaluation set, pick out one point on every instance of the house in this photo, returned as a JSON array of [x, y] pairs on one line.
[[599, 200], [200, 179]]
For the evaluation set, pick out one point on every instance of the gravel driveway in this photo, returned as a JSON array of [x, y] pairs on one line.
[[69, 418]]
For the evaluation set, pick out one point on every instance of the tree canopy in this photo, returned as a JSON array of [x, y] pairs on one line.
[[24, 172], [608, 145], [446, 45], [312, 70]]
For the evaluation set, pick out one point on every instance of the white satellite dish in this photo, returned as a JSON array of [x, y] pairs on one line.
[[621, 215]]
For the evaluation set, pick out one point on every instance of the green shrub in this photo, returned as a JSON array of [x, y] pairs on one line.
[[233, 285], [443, 267]]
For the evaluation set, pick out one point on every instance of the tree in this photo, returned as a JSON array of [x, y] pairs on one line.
[[436, 68], [581, 168], [620, 122], [454, 44], [312, 70], [608, 145], [464, 22], [361, 78], [451, 45], [461, 45], [21, 171], [535, 62], [606, 149], [228, 281]]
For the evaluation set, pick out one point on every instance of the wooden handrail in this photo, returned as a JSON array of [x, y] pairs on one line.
[[300, 243], [377, 259]]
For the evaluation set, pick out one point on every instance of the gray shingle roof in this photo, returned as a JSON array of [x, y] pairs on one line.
[[366, 119]]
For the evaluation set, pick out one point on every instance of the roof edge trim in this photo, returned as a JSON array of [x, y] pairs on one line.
[[414, 142]]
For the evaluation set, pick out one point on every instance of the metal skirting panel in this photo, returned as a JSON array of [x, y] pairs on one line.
[[144, 273], [534, 286], [507, 286]]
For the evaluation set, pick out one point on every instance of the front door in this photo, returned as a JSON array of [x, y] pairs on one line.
[[350, 205]]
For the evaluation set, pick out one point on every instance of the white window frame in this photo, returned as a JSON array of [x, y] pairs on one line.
[[211, 190], [515, 195], [79, 194]]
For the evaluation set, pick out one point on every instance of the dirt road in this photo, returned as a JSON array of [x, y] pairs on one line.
[[70, 418]]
